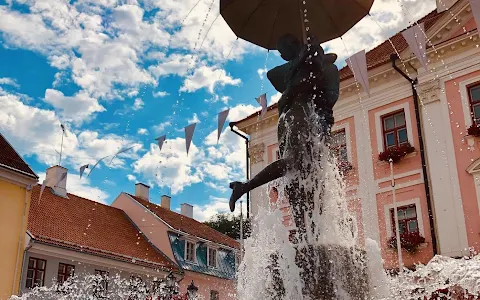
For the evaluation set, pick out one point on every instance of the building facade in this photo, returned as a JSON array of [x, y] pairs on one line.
[[72, 236], [430, 116], [207, 257], [16, 182]]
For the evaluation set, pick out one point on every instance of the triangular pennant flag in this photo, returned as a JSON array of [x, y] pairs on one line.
[[415, 37], [475, 5], [358, 64], [160, 141], [44, 184], [91, 170], [82, 169], [222, 117], [119, 152], [262, 100], [60, 178], [189, 130]]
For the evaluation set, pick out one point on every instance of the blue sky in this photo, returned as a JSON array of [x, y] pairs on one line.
[[121, 73]]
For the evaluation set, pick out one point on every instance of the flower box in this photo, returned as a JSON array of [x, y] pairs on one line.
[[396, 153], [408, 241]]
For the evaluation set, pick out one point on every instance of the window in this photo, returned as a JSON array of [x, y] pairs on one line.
[[212, 257], [338, 145], [214, 295], [394, 129], [64, 272], [189, 251], [101, 284], [35, 272], [407, 219], [474, 97]]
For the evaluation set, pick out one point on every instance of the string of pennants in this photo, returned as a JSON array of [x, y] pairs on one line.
[[415, 38]]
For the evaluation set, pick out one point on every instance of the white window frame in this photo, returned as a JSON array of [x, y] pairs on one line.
[[208, 256], [388, 218], [465, 99], [474, 170], [379, 124], [346, 128], [194, 260]]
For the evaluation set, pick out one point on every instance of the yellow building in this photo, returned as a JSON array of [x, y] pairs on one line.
[[16, 182]]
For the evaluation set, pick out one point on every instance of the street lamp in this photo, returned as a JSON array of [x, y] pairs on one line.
[[170, 281], [192, 291]]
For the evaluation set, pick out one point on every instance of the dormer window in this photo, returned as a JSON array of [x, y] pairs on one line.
[[212, 257], [190, 251]]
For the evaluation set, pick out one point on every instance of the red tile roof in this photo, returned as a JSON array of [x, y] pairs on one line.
[[10, 158], [378, 55], [83, 225], [188, 225]]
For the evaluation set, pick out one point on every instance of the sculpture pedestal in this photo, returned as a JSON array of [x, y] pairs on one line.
[[329, 272]]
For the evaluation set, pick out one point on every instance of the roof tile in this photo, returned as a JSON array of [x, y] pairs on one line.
[[9, 157], [188, 225], [88, 226]]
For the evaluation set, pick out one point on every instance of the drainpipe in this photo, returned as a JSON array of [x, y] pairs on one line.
[[23, 263], [413, 82], [247, 155], [28, 188]]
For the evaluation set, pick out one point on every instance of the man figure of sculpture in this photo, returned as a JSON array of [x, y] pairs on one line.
[[309, 83]]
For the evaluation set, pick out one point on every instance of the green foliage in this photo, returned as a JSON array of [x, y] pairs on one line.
[[230, 225]]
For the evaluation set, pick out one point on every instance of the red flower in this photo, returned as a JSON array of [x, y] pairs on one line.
[[396, 153], [409, 241], [474, 130]]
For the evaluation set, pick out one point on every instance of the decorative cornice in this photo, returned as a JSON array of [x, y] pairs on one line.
[[256, 153], [429, 91]]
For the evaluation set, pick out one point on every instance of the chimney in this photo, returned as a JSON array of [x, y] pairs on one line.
[[187, 210], [56, 178], [142, 191], [443, 5], [166, 202]]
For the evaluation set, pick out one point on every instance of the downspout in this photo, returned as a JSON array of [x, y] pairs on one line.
[[22, 236], [247, 155], [23, 262], [431, 220]]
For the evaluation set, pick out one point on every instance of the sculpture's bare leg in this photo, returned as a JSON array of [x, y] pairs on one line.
[[271, 172]]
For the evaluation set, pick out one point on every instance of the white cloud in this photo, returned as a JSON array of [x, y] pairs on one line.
[[130, 177], [37, 132], [207, 77], [142, 131], [171, 167], [261, 73], [275, 98], [138, 104], [160, 128], [77, 108], [175, 64], [9, 81], [215, 206], [160, 94], [194, 119], [82, 187]]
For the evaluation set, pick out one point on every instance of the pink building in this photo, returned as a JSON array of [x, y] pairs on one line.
[[438, 181]]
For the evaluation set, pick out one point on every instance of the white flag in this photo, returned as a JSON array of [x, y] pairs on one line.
[[262, 100], [91, 170], [44, 184], [475, 5], [60, 178], [82, 169], [415, 37], [222, 117], [189, 130], [358, 64], [160, 141]]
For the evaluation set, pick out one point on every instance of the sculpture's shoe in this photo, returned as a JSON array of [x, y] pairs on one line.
[[237, 192]]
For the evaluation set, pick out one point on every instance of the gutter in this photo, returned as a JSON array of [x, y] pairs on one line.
[[28, 188], [413, 82], [247, 155]]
